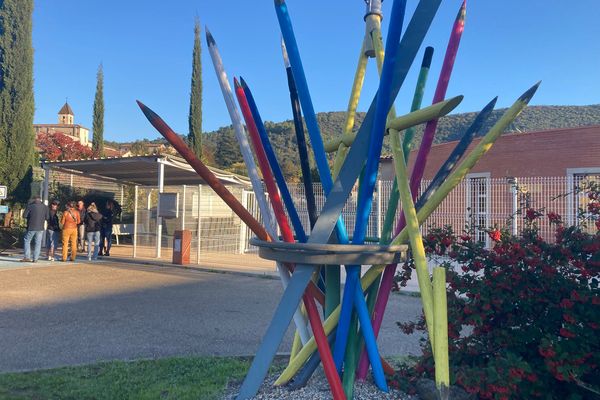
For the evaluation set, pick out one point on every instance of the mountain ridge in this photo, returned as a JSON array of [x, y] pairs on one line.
[[450, 127]]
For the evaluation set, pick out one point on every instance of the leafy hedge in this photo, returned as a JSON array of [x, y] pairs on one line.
[[524, 316]]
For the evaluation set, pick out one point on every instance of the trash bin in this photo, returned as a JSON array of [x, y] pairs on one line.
[[182, 242]]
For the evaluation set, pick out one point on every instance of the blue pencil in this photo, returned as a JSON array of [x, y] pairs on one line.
[[457, 153], [325, 174], [275, 168], [365, 196]]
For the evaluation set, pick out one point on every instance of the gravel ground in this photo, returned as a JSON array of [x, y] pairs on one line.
[[317, 389]]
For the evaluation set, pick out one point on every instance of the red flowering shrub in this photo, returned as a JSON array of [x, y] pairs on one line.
[[524, 316], [57, 146]]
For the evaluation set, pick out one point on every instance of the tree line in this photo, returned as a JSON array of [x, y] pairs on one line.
[[221, 150]]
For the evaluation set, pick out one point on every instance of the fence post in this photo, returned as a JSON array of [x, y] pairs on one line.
[[161, 182], [515, 206], [571, 206], [183, 209], [122, 201], [199, 223], [379, 202], [243, 235], [135, 220]]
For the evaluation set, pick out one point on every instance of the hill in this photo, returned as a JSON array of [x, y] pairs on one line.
[[451, 127]]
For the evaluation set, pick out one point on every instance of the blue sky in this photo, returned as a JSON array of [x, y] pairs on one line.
[[145, 47]]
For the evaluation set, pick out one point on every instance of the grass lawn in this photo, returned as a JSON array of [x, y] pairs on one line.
[[171, 378]]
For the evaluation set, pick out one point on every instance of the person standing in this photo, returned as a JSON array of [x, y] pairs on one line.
[[53, 230], [36, 214], [107, 226], [93, 224], [81, 228], [69, 221]]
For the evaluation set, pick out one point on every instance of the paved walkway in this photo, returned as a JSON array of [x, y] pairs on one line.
[[56, 314]]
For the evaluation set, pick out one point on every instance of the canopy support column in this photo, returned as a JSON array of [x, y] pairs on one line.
[[135, 220], [161, 182], [45, 194]]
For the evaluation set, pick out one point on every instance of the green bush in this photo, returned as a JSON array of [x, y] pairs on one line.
[[524, 316]]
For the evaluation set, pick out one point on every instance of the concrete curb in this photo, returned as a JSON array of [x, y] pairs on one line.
[[216, 270]]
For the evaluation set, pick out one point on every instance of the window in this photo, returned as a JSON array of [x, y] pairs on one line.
[[578, 200], [478, 205]]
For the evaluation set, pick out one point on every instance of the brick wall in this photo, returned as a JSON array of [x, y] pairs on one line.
[[544, 153]]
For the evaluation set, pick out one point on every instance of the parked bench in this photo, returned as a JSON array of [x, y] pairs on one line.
[[126, 229]]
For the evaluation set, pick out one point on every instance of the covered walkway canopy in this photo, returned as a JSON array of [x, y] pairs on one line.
[[147, 170]]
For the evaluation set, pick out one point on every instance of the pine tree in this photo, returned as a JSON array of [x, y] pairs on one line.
[[98, 122], [17, 138], [195, 115]]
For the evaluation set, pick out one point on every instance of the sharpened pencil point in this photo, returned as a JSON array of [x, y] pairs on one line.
[[427, 57], [151, 115], [526, 97], [210, 40]]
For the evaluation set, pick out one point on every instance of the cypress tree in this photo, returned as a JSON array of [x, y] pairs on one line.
[[98, 122], [195, 115], [17, 138]]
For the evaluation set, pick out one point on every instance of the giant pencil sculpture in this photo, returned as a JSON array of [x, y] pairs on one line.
[[304, 256], [242, 89], [390, 214], [352, 296], [339, 191], [352, 167], [301, 140], [276, 170], [302, 155], [457, 153], [415, 118], [323, 168], [206, 174], [417, 99], [475, 155], [436, 199], [257, 187], [440, 93], [288, 236], [238, 128]]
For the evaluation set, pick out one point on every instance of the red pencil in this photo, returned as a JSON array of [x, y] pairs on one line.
[[288, 236]]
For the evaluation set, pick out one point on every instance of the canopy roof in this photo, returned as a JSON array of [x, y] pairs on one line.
[[141, 170]]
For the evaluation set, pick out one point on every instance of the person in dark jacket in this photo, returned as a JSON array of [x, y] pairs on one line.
[[36, 214], [53, 230], [93, 224], [107, 225]]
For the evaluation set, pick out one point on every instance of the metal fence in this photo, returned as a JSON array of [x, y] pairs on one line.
[[478, 201], [199, 210]]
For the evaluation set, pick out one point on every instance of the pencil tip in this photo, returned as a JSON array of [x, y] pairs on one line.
[[528, 95], [210, 40]]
